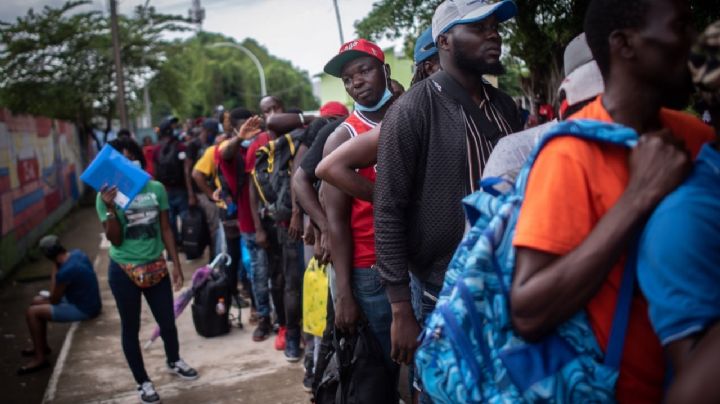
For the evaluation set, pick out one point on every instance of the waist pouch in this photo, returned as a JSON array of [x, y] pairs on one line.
[[148, 274]]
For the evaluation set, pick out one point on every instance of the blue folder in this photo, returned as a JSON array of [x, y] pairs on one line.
[[111, 168]]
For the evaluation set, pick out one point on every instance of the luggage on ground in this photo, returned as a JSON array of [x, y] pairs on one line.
[[206, 318]]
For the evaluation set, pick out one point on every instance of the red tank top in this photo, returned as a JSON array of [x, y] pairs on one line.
[[361, 218]]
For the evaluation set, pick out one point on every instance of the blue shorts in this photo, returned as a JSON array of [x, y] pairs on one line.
[[65, 312]]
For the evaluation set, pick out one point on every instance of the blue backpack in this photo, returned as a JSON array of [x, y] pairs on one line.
[[469, 351]]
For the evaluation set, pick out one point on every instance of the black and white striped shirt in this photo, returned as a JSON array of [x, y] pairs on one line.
[[479, 142]]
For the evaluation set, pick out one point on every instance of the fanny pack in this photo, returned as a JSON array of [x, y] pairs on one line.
[[148, 274]]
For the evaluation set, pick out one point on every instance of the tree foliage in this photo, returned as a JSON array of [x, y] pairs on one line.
[[197, 77], [59, 62], [536, 37]]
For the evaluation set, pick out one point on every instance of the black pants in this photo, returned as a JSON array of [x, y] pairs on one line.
[[275, 270], [292, 269], [160, 299]]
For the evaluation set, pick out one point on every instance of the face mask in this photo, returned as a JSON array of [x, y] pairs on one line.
[[387, 95], [176, 132], [136, 163]]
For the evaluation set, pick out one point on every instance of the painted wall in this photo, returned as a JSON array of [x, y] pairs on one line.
[[39, 180]]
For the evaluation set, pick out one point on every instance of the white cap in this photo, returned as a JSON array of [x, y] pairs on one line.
[[583, 79], [454, 12], [584, 83]]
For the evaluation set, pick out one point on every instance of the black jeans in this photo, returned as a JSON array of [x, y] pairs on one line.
[[292, 269], [160, 299], [272, 270]]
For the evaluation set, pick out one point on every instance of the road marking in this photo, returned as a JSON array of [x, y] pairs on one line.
[[60, 364]]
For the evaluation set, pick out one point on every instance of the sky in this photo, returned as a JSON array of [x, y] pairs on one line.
[[304, 32]]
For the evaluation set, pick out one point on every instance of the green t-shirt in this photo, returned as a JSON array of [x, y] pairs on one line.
[[140, 222]]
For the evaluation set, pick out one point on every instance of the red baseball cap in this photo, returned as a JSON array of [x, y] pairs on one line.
[[333, 108], [350, 51]]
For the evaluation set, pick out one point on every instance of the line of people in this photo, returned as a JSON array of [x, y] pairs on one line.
[[377, 193]]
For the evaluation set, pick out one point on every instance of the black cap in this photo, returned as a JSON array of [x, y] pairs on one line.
[[212, 126], [165, 127]]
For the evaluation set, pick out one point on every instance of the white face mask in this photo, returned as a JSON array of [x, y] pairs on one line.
[[136, 163]]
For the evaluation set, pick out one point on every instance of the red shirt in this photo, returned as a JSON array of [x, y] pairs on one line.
[[229, 170], [579, 181], [149, 153], [361, 217]]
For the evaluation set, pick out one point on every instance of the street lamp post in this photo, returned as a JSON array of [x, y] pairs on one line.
[[261, 72]]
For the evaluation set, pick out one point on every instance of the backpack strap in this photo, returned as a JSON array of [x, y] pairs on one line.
[[621, 318], [581, 128]]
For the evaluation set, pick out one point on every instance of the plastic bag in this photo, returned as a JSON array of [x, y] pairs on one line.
[[315, 293]]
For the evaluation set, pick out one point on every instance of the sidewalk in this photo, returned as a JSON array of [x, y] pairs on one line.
[[91, 368], [80, 229]]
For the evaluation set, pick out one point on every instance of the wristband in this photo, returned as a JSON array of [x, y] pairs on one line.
[[110, 215]]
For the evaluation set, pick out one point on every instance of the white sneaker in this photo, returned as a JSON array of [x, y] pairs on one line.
[[182, 369], [148, 395]]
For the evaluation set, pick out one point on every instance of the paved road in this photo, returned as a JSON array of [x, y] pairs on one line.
[[91, 368]]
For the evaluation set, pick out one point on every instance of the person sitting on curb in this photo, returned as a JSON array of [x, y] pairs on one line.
[[74, 296]]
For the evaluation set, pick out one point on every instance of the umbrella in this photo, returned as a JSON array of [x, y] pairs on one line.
[[198, 279]]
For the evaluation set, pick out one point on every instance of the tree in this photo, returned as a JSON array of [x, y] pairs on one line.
[[537, 36], [196, 77], [58, 62]]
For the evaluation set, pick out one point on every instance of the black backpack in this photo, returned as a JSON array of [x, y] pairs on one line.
[[272, 174], [169, 169], [357, 372], [195, 232], [207, 321]]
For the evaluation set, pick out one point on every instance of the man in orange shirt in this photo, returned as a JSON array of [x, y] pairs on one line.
[[586, 201]]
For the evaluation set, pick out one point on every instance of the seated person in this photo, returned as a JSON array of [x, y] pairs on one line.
[[679, 256], [74, 296]]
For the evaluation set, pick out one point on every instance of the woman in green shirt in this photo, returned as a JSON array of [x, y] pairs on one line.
[[139, 235]]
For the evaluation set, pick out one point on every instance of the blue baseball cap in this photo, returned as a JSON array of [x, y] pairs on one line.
[[424, 47], [455, 12]]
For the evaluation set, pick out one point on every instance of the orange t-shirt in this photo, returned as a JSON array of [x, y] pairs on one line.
[[571, 186]]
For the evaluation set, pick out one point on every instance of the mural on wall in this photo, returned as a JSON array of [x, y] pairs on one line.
[[39, 170]]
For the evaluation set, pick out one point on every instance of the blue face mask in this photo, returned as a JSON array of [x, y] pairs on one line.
[[383, 100], [176, 132]]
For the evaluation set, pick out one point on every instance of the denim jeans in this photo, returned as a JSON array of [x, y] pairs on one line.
[[268, 275], [178, 202], [160, 299], [369, 293]]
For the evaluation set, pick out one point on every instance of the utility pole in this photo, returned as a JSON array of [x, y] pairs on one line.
[[146, 90], [119, 80], [197, 14], [339, 22]]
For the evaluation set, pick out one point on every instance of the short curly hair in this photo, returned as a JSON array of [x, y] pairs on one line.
[[605, 16]]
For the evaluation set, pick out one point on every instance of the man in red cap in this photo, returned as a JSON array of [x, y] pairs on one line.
[[360, 64]]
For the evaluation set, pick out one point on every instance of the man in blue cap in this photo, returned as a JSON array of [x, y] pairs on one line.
[[426, 57], [433, 145]]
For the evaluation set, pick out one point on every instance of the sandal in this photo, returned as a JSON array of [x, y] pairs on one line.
[[25, 370]]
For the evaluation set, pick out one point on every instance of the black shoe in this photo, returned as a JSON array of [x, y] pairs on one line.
[[182, 369], [308, 381], [147, 393], [263, 330], [293, 353]]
